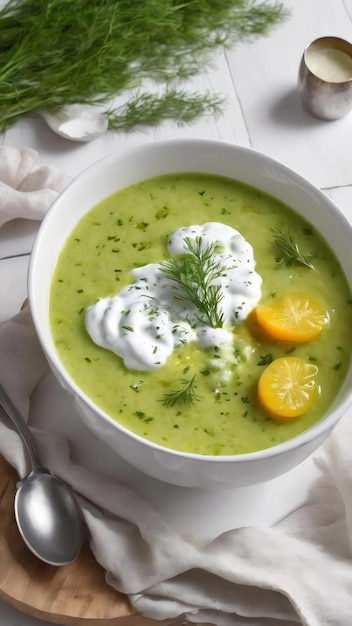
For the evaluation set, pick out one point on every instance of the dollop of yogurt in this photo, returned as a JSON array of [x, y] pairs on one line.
[[147, 319]]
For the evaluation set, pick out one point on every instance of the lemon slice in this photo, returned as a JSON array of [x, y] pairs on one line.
[[287, 388], [297, 318]]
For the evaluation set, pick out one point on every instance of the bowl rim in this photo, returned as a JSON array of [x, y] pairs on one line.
[[318, 429]]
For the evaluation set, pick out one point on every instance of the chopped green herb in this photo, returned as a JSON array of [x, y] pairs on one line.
[[143, 416], [265, 359], [144, 245], [137, 385], [160, 215]]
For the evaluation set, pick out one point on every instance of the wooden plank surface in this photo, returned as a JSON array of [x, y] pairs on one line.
[[74, 595]]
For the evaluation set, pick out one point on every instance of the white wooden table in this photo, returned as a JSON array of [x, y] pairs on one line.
[[263, 111]]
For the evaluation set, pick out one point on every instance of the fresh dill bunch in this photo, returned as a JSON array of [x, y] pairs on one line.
[[195, 272], [288, 247], [60, 52], [185, 394]]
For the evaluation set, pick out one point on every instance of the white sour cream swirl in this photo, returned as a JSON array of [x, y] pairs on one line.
[[144, 321]]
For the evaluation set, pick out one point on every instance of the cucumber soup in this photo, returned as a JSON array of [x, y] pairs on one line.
[[172, 297]]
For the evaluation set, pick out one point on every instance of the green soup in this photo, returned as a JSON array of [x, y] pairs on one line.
[[130, 229]]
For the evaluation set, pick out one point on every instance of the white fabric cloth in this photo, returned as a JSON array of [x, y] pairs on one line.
[[298, 572], [26, 189]]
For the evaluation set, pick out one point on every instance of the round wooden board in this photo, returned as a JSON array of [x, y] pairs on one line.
[[74, 595]]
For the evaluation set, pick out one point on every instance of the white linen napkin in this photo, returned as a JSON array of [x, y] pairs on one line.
[[297, 572], [26, 189]]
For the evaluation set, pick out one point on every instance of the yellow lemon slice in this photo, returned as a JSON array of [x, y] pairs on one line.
[[287, 388], [297, 318]]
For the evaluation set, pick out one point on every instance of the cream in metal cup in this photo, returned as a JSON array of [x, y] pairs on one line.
[[325, 78]]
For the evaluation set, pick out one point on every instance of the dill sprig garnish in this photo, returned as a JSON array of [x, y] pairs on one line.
[[60, 52], [288, 247], [194, 272], [185, 394]]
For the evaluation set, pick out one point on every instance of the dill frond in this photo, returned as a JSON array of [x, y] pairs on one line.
[[185, 394], [288, 247], [194, 272]]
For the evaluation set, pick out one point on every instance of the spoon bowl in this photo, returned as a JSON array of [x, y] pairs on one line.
[[47, 513], [41, 501]]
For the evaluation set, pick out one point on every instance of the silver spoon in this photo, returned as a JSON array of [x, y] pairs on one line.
[[47, 514]]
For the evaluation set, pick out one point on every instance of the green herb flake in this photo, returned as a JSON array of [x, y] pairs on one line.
[[137, 385], [265, 359], [143, 417], [144, 245], [162, 213]]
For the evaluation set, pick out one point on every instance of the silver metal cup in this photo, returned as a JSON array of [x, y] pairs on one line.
[[325, 78]]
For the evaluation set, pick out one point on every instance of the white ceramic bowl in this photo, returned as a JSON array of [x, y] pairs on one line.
[[161, 157]]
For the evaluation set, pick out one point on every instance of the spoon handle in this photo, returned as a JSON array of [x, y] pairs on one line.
[[21, 426]]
